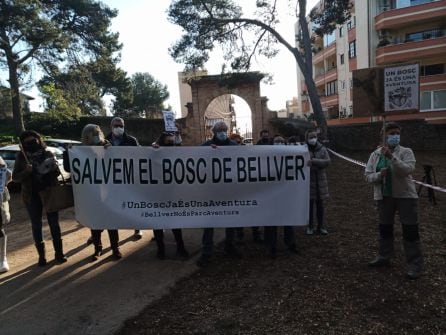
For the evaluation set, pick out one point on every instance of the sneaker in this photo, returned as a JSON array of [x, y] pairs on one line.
[[309, 231], [117, 254], [137, 235], [379, 262], [96, 255], [323, 231]]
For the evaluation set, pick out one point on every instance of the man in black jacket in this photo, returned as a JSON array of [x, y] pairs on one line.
[[118, 137], [220, 138]]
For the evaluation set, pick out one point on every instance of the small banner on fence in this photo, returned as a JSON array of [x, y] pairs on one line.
[[169, 121], [190, 187]]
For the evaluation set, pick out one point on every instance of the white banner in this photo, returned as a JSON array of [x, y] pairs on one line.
[[401, 88], [190, 187]]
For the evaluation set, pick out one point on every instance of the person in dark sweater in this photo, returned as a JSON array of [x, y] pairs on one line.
[[220, 138], [118, 137]]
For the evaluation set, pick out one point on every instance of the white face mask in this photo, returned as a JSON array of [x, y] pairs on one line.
[[312, 141], [118, 132]]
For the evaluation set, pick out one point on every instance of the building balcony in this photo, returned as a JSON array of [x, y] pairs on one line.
[[433, 83], [324, 53], [408, 16], [329, 101], [410, 51], [326, 77]]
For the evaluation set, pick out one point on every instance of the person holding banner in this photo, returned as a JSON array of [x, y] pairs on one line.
[[5, 178], [220, 138], [389, 169], [167, 139], [92, 135], [288, 231], [319, 160], [118, 137], [36, 169]]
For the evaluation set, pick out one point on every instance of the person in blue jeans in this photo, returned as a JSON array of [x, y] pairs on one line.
[[220, 138], [36, 169]]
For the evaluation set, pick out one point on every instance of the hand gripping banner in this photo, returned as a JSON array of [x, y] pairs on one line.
[[190, 187]]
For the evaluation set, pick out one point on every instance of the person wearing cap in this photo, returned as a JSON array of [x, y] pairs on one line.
[[36, 169], [220, 138], [389, 170], [118, 137]]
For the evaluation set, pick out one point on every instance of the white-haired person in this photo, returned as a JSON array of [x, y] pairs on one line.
[[220, 138], [92, 135], [36, 169], [119, 137], [4, 216]]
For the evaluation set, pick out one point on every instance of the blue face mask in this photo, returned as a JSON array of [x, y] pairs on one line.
[[393, 140], [221, 135]]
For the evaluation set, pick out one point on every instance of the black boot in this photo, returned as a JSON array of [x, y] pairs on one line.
[[159, 239], [40, 246], [58, 251], [181, 250], [114, 243], [97, 252]]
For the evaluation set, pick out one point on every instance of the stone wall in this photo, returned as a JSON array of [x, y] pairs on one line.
[[416, 134]]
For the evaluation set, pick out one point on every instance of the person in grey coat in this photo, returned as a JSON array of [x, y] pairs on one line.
[[4, 216], [389, 170], [319, 160]]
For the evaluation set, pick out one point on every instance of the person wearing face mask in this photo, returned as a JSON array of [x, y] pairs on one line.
[[220, 138], [319, 161], [118, 137], [167, 139], [288, 231], [92, 135], [36, 169], [389, 169]]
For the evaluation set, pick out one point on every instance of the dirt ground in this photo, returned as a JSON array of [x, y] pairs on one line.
[[328, 289]]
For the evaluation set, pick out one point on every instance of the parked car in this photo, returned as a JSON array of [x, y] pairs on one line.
[[9, 154], [60, 143]]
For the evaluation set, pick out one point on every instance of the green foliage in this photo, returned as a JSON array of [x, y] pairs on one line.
[[59, 104], [7, 135], [329, 14], [54, 125], [47, 33], [148, 96]]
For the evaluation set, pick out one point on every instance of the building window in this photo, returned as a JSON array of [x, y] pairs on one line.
[[341, 58], [351, 111], [433, 100], [341, 31], [352, 49], [342, 84], [431, 70], [424, 35], [351, 23], [331, 88]]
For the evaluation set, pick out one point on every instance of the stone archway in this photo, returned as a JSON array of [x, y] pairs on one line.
[[207, 88]]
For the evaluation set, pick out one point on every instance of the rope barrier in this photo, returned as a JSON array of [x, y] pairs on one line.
[[436, 188]]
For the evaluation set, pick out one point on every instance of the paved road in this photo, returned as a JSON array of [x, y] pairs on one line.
[[80, 296]]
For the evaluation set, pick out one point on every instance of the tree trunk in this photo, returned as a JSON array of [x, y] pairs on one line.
[[15, 97], [317, 106]]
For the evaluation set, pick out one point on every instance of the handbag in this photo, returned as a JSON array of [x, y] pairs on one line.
[[58, 197]]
